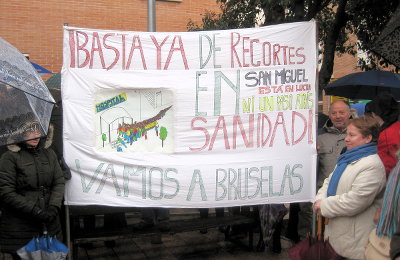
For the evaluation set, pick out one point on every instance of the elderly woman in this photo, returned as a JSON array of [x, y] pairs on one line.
[[31, 190], [353, 191]]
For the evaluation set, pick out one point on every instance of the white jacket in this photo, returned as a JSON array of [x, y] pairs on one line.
[[352, 209]]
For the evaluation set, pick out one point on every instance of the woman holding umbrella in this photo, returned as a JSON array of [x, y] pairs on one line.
[[351, 194], [31, 190]]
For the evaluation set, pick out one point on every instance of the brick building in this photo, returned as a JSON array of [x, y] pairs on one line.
[[36, 27]]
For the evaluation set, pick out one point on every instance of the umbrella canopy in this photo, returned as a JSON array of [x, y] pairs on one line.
[[388, 43], [25, 101], [315, 248], [365, 85], [40, 69], [43, 248]]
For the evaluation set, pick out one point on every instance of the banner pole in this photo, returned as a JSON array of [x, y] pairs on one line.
[[68, 230], [151, 15]]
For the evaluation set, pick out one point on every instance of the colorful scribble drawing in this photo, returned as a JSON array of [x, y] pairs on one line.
[[134, 121]]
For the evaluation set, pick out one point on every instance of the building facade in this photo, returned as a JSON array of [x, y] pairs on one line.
[[36, 27]]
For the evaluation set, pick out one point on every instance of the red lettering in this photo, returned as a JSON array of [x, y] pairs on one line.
[[300, 55], [245, 50], [284, 54], [233, 50], [82, 48], [158, 46], [180, 48], [123, 50], [267, 54], [247, 141], [72, 49], [294, 114], [276, 49], [252, 53], [280, 120], [221, 119], [96, 41], [204, 130], [134, 46], [111, 48], [262, 118]]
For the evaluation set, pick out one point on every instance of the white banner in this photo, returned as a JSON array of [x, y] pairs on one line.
[[190, 119]]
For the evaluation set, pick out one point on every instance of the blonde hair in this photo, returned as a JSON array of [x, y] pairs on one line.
[[367, 126]]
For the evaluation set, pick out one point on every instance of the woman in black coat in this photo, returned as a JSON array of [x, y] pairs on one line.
[[31, 190]]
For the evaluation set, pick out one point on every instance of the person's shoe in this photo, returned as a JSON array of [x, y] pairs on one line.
[[276, 247], [164, 226], [295, 238], [110, 243], [260, 246]]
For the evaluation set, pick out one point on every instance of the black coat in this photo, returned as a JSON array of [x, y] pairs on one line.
[[29, 178]]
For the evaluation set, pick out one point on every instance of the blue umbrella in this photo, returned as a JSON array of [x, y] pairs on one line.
[[40, 69], [43, 248], [365, 85], [360, 107]]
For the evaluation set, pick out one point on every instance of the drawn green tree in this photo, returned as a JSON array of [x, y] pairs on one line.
[[163, 135], [104, 138]]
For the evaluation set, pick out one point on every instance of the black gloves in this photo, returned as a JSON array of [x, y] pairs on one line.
[[52, 211], [40, 214], [47, 215]]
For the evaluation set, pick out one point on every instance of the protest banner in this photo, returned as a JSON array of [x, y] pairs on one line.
[[190, 119]]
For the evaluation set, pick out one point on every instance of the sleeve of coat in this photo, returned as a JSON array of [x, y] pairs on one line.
[[388, 149], [366, 186], [8, 184], [57, 189]]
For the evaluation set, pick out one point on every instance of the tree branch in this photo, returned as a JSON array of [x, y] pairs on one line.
[[340, 21]]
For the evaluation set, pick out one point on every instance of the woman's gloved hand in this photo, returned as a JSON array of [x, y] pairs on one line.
[[52, 212], [41, 215]]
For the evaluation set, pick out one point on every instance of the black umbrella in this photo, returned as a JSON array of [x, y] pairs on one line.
[[25, 101], [388, 43], [365, 85]]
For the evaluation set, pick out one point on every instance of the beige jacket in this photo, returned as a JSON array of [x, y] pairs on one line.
[[351, 210]]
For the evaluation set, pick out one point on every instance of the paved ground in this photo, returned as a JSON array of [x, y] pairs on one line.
[[187, 245]]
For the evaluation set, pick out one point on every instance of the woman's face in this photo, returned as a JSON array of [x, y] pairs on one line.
[[354, 137], [35, 136]]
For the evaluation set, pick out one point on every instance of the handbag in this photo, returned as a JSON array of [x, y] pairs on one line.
[[377, 248]]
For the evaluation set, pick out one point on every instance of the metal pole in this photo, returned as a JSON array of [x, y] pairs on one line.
[[151, 15], [314, 224], [68, 230]]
